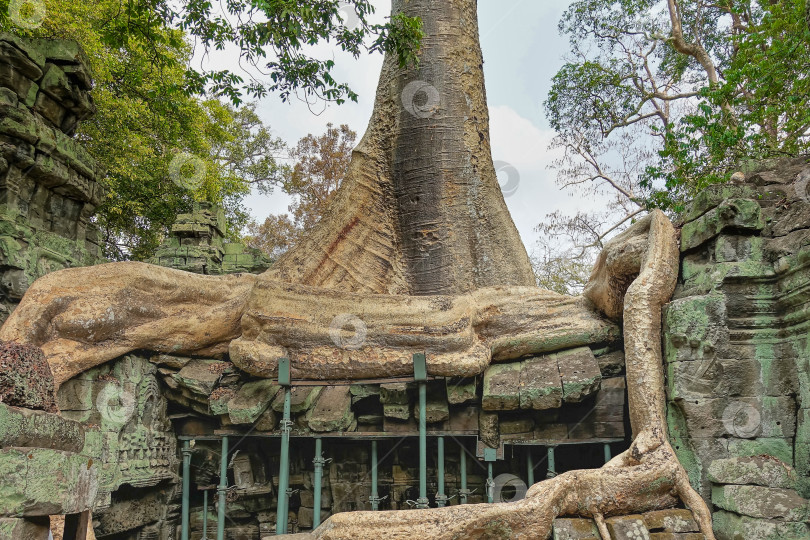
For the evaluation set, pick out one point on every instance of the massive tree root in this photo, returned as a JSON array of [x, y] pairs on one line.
[[647, 476]]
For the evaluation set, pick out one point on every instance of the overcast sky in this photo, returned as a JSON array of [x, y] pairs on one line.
[[522, 52]]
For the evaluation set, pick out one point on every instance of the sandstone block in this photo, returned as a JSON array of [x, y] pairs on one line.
[[574, 529], [627, 528], [675, 520], [540, 383], [579, 372], [501, 387], [332, 411], [761, 502], [758, 470], [251, 400], [730, 526]]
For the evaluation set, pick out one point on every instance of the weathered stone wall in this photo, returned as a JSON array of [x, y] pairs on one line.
[[48, 181], [736, 344]]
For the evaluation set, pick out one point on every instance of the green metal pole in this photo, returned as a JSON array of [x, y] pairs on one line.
[[529, 466], [607, 452], [205, 515], [184, 532], [282, 510], [490, 484], [441, 497], [552, 472], [318, 462], [463, 492], [420, 375], [375, 496], [222, 489]]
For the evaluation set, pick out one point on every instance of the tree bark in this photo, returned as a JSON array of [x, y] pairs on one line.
[[421, 211]]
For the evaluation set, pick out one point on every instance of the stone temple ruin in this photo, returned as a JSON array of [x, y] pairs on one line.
[[153, 445]]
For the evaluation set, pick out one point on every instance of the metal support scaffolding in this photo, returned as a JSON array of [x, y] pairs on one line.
[[463, 493], [318, 462], [529, 466], [205, 514], [222, 489], [374, 499], [441, 497], [490, 456], [607, 452], [186, 483], [552, 472], [282, 509], [420, 375]]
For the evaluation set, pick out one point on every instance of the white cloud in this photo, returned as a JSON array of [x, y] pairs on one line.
[[524, 145]]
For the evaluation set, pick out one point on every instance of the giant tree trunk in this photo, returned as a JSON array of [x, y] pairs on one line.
[[421, 211]]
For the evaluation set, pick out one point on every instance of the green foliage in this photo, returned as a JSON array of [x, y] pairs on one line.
[[273, 36], [656, 104], [150, 105]]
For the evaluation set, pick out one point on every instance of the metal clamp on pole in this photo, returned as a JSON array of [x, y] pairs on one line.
[[420, 376], [282, 509]]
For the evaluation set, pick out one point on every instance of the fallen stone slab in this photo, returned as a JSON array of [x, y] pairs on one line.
[[579, 372], [332, 411], [38, 429], [574, 529], [501, 387], [730, 526], [44, 482], [540, 383], [675, 520], [251, 400], [758, 470], [761, 502]]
